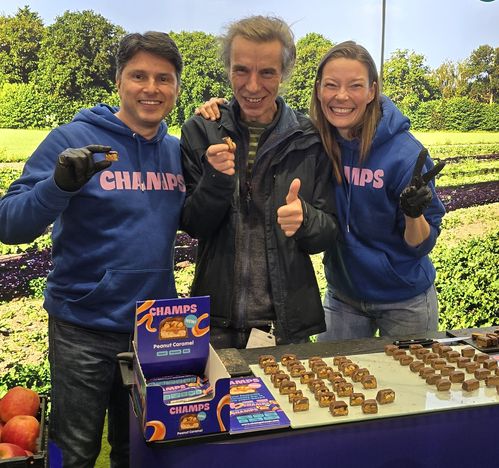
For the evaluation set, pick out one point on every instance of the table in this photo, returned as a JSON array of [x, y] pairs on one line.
[[462, 437]]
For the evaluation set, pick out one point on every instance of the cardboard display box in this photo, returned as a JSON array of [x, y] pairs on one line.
[[172, 338]]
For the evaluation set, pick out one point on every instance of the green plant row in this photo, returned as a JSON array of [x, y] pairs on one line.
[[467, 282], [469, 171], [460, 150]]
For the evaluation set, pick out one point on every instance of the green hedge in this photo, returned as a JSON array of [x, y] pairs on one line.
[[460, 113], [25, 106]]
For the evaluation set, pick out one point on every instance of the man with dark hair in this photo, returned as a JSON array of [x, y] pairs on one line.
[[259, 202], [111, 182]]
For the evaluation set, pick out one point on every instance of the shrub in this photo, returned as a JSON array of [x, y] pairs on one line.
[[468, 283]]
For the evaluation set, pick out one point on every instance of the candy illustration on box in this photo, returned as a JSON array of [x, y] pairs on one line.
[[176, 367]]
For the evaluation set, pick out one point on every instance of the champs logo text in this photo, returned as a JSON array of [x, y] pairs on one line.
[[181, 309], [190, 408]]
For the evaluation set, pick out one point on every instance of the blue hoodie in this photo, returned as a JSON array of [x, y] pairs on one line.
[[113, 239], [371, 261]]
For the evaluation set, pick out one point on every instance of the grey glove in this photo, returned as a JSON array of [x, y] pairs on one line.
[[76, 166], [416, 197]]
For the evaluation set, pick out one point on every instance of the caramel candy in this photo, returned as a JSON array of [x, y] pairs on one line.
[[470, 385], [297, 371], [397, 354], [414, 347], [307, 377], [292, 363], [296, 393], [278, 382], [338, 408], [471, 366], [285, 358], [480, 357], [385, 395], [350, 368], [271, 368], [356, 399], [314, 383], [112, 156], [443, 384], [344, 363], [228, 141], [322, 372], [443, 350], [318, 391], [452, 356], [468, 352], [492, 380], [486, 341], [422, 352], [390, 348], [265, 359], [286, 387], [430, 357], [331, 375], [336, 381], [316, 365], [344, 389], [300, 404], [489, 364], [481, 374], [461, 361], [369, 381], [435, 346], [369, 406], [424, 372], [326, 398], [314, 358], [359, 373], [405, 360], [279, 377], [456, 376], [439, 363], [433, 379], [415, 366], [337, 360], [446, 370]]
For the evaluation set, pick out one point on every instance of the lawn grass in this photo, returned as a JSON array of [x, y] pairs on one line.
[[18, 144], [456, 138]]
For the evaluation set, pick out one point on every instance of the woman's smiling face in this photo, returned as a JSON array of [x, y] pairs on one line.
[[344, 93]]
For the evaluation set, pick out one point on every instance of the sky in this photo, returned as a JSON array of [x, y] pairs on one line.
[[438, 29]]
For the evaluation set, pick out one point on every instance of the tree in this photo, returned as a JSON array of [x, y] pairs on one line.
[[20, 38], [203, 76], [407, 81], [483, 74], [77, 57], [445, 77], [309, 51]]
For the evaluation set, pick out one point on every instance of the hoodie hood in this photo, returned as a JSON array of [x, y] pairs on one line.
[[104, 116]]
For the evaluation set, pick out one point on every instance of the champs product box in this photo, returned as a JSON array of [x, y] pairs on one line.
[[181, 387]]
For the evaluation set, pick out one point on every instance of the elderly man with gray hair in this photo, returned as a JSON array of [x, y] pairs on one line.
[[258, 198]]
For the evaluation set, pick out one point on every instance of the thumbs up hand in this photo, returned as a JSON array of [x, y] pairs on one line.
[[290, 215]]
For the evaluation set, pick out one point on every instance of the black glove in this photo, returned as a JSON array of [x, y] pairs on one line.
[[416, 197], [76, 166]]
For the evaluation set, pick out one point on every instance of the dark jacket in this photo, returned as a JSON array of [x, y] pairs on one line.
[[215, 201]]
